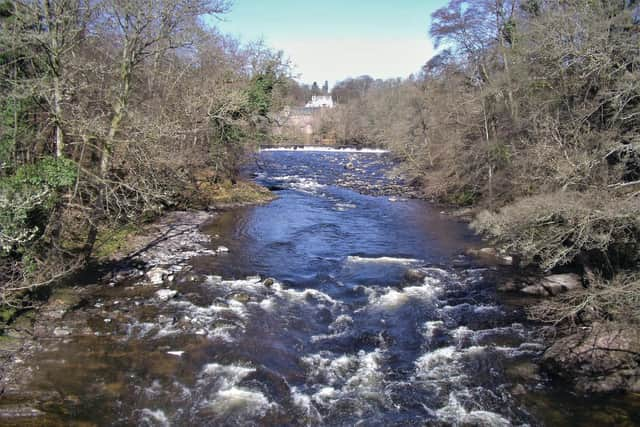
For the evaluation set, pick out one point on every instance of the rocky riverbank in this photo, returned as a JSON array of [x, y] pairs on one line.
[[148, 270], [593, 355]]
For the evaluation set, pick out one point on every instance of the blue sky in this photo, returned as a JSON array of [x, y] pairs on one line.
[[334, 39]]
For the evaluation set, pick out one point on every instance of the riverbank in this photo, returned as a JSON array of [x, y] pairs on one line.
[[137, 260], [584, 348], [373, 306]]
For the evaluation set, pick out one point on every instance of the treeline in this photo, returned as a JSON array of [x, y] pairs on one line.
[[530, 113], [110, 110]]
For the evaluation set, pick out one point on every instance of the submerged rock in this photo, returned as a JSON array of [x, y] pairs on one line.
[[524, 371], [602, 358]]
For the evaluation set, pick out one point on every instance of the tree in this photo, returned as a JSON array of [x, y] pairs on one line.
[[315, 89]]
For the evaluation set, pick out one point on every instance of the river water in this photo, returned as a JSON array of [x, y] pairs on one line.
[[372, 316]]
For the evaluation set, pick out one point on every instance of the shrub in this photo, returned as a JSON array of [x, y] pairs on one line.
[[553, 230], [617, 299], [27, 199]]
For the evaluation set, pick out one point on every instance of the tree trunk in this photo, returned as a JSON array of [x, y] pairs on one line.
[[55, 65], [119, 112]]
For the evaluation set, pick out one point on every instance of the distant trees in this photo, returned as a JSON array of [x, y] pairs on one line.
[[531, 110], [109, 110], [315, 89]]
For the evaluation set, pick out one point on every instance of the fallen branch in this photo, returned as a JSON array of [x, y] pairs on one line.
[[623, 184]]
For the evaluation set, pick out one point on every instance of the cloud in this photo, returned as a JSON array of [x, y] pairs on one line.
[[332, 59]]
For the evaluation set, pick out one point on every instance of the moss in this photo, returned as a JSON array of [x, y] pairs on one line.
[[10, 344], [65, 297], [240, 192], [7, 314], [113, 240], [227, 192]]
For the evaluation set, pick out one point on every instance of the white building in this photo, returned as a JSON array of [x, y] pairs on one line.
[[320, 101]]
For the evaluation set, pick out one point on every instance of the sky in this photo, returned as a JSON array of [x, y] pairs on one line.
[[335, 39]]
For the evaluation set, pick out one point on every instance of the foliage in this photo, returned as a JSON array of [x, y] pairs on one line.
[[28, 197], [107, 110]]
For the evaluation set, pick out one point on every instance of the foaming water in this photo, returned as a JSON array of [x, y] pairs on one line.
[[337, 304]]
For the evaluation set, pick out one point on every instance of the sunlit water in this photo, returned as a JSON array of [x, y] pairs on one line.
[[339, 338]]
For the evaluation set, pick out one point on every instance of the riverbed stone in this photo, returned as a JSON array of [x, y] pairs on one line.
[[241, 297], [166, 294], [268, 282], [536, 290], [61, 332], [491, 255], [414, 275], [157, 275]]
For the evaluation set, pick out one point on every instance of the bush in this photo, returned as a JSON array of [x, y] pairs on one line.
[[617, 299], [27, 198], [553, 230]]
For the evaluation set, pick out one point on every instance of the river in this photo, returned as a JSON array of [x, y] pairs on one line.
[[339, 303]]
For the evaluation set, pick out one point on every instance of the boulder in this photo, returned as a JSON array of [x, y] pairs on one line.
[[166, 294], [602, 358], [414, 275], [241, 297], [490, 252], [560, 283], [61, 332], [536, 290], [156, 275], [491, 255], [268, 282]]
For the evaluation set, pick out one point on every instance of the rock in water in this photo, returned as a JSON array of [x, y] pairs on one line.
[[156, 275], [268, 282], [166, 294], [414, 275], [241, 297], [61, 332], [222, 249]]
